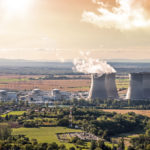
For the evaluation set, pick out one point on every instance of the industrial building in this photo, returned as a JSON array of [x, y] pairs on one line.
[[139, 87], [38, 95], [3, 95], [7, 96], [103, 87], [12, 96], [56, 94]]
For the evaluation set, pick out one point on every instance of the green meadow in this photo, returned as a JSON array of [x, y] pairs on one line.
[[44, 134], [18, 113]]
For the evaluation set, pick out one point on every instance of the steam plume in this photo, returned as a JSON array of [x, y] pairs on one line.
[[124, 15], [92, 66]]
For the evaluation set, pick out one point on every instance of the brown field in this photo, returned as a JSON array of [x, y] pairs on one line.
[[23, 82], [141, 112]]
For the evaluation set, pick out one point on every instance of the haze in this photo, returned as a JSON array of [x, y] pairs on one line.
[[61, 29]]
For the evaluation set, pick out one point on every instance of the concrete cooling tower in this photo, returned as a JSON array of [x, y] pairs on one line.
[[146, 85], [98, 87], [103, 87], [111, 86], [139, 87], [135, 90]]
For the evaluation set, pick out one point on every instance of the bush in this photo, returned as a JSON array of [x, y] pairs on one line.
[[5, 132]]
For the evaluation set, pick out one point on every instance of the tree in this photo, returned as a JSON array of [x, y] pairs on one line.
[[93, 145], [130, 148], [34, 141], [63, 122], [147, 147], [62, 147], [101, 144], [28, 147], [148, 132], [121, 144], [71, 148], [74, 139], [5, 132], [6, 117], [44, 146], [53, 146]]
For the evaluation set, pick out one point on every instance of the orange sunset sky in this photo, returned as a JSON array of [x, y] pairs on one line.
[[61, 29]]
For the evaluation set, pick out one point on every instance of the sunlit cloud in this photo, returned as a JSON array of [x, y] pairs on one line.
[[126, 15]]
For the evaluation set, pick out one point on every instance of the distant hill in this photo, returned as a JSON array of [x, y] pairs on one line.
[[129, 60], [29, 63], [9, 66]]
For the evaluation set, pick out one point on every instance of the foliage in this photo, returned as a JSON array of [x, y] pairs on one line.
[[5, 132]]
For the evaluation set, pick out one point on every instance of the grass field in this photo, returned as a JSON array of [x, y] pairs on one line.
[[141, 112], [18, 113], [44, 134]]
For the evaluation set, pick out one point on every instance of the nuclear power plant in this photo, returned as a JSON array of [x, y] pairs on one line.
[[103, 86], [139, 87]]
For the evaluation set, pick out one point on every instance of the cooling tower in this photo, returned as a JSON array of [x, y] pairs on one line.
[[103, 87], [135, 90], [98, 88], [111, 86], [146, 85]]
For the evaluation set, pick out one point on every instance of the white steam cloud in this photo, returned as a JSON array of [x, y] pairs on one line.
[[93, 66], [125, 15]]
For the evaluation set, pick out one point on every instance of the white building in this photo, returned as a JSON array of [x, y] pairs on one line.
[[56, 94], [3, 95], [38, 95], [7, 96], [11, 96]]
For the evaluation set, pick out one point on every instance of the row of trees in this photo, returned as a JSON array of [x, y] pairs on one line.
[[109, 104]]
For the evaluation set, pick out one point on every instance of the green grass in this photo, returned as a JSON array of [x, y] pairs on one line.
[[44, 134], [110, 144], [13, 80], [18, 113]]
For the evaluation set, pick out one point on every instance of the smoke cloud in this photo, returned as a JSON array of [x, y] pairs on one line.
[[93, 66], [120, 14]]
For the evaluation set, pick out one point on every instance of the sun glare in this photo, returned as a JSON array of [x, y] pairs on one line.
[[16, 7]]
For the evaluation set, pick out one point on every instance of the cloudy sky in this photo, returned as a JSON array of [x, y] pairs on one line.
[[61, 29]]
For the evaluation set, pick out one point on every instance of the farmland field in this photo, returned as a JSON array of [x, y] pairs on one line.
[[141, 112], [29, 82], [24, 82], [44, 134]]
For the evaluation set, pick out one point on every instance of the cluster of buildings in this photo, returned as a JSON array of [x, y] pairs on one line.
[[81, 135], [38, 96]]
